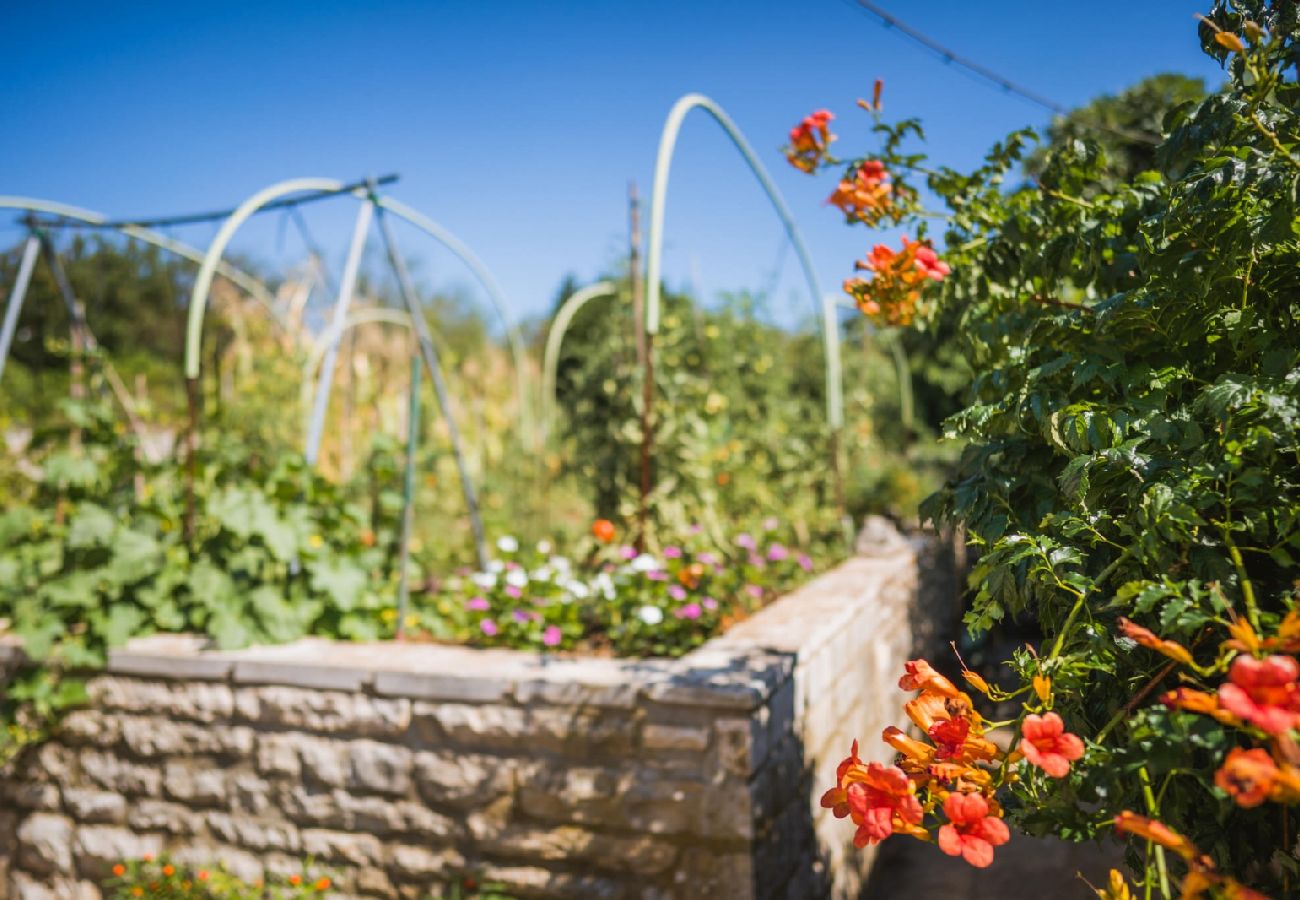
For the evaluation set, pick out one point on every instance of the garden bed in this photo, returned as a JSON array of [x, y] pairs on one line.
[[399, 768]]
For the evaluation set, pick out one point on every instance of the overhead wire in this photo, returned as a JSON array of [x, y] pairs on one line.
[[984, 73]]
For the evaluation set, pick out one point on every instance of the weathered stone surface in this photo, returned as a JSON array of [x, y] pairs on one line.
[[420, 862], [94, 807], [329, 712], [161, 815], [379, 768], [640, 855], [675, 737], [45, 844], [28, 795], [116, 774], [342, 846], [100, 847], [27, 888], [461, 779], [197, 782], [277, 754], [151, 737], [253, 834], [323, 761], [497, 727]]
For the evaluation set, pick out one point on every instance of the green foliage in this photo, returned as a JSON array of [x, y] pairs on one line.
[[1131, 431], [1125, 129]]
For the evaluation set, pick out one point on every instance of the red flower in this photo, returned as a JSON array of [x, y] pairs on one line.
[[1047, 744], [919, 675], [971, 833], [949, 737], [1263, 692], [603, 530], [879, 799], [809, 140], [927, 260], [1247, 775]]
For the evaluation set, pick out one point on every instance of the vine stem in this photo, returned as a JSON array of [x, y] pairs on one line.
[[1247, 588], [1137, 698], [1153, 810], [1078, 604]]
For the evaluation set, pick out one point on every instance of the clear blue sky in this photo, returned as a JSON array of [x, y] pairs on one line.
[[518, 125]]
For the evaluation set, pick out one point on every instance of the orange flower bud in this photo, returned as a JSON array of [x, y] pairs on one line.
[[1253, 31], [1131, 823], [976, 682], [1147, 638], [1229, 40], [1043, 687]]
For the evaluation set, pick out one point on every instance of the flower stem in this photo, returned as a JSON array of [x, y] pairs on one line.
[[1153, 809]]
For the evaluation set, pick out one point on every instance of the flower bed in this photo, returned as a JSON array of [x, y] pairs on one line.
[[399, 767]]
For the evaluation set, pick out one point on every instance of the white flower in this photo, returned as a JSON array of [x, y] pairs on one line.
[[484, 580], [543, 547], [496, 565], [651, 615], [579, 590], [517, 578], [507, 544], [559, 563], [645, 563], [604, 584], [542, 574]]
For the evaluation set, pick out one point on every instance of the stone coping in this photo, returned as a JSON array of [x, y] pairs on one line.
[[739, 670]]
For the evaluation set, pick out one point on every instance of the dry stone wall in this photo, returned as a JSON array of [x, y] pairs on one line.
[[400, 768]]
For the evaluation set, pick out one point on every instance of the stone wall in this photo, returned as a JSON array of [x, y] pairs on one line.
[[400, 767]]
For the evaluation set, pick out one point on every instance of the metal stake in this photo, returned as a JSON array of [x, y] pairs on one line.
[[430, 355], [30, 251], [408, 496], [348, 285]]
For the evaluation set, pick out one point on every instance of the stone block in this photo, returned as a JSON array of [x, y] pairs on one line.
[[461, 779], [675, 737], [98, 848], [95, 807], [28, 795], [327, 712], [487, 726], [161, 815], [45, 844], [277, 754], [420, 862], [342, 847], [195, 781], [253, 834], [742, 745], [379, 768], [323, 761], [461, 688], [115, 774]]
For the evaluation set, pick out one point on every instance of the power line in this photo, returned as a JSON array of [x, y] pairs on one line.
[[216, 216], [984, 73]]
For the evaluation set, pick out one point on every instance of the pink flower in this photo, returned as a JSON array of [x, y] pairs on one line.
[[656, 575], [677, 592], [754, 591], [522, 616], [745, 540], [706, 558], [689, 611], [627, 552], [771, 523], [777, 552], [513, 591], [488, 627], [672, 552], [478, 604], [695, 528], [551, 636], [805, 562], [710, 603]]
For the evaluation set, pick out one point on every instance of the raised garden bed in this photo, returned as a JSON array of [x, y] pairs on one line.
[[399, 768]]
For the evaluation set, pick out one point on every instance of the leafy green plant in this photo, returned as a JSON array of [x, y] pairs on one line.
[[1130, 477]]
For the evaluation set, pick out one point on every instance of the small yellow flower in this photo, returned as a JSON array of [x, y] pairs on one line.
[[315, 542], [1043, 687], [1116, 888], [388, 616], [1229, 40], [412, 621]]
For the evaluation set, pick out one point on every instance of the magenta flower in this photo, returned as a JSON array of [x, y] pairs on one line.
[[551, 636], [478, 604], [777, 552], [522, 616], [672, 552], [745, 540], [805, 562], [627, 552], [677, 592], [756, 560], [511, 565], [754, 591], [706, 558], [513, 591], [656, 575], [710, 603], [689, 611], [489, 627]]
